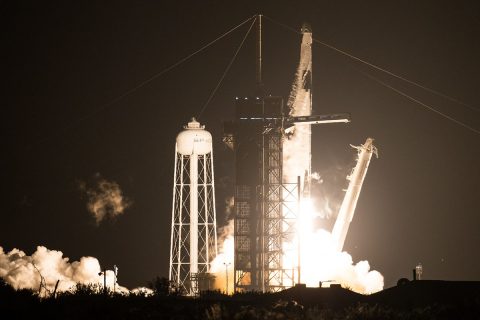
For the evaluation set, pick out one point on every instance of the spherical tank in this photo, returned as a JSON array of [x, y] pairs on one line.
[[194, 139]]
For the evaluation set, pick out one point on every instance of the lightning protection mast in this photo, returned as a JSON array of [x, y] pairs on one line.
[[193, 243]]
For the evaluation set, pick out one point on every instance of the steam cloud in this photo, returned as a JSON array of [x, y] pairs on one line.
[[328, 264], [322, 265], [327, 191], [22, 271], [229, 206], [105, 199], [223, 262]]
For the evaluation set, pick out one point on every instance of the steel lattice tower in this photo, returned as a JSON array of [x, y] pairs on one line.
[[279, 207], [265, 207], [193, 243]]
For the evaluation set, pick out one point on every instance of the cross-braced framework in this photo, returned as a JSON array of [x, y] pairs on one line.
[[180, 249], [245, 255], [279, 207], [265, 206]]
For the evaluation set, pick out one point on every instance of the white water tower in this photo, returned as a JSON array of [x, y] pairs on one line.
[[193, 243]]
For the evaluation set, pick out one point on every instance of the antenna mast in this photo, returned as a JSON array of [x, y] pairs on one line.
[[259, 55]]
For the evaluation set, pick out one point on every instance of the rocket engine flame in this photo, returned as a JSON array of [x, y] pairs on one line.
[[321, 258], [321, 262]]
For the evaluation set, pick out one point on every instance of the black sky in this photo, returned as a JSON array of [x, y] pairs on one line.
[[67, 59]]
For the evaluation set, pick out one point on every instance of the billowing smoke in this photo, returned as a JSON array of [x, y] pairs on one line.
[[328, 191], [105, 199], [316, 177], [323, 264], [320, 261], [41, 271], [222, 265], [229, 207]]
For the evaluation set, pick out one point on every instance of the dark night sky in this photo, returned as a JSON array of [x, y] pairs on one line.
[[67, 59]]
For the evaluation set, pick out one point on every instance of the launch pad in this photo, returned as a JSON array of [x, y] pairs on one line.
[[271, 142]]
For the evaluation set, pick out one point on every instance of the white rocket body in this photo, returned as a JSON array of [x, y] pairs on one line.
[[297, 154]]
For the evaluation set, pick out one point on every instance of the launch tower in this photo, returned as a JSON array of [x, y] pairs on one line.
[[266, 206], [264, 215]]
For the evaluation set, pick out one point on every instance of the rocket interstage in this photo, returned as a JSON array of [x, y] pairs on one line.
[[347, 209], [193, 243]]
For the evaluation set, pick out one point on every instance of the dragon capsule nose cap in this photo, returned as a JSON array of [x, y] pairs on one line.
[[306, 28]]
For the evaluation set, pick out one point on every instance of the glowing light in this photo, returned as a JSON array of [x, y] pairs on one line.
[[320, 261], [225, 256]]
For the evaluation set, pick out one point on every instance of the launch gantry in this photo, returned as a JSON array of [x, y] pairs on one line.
[[266, 199]]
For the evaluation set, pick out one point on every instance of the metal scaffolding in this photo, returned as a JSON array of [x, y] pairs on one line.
[[265, 206], [278, 218]]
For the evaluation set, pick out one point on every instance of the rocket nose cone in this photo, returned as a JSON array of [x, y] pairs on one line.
[[306, 28]]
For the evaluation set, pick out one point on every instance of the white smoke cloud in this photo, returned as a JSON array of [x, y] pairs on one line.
[[143, 291], [328, 189], [22, 271], [105, 199], [297, 153], [316, 177], [229, 206], [222, 265], [328, 265], [320, 263]]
